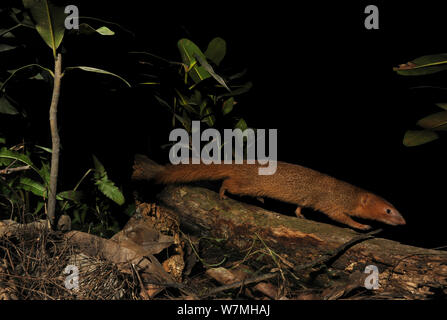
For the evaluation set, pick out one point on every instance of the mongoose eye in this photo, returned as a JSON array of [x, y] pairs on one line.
[[388, 211]]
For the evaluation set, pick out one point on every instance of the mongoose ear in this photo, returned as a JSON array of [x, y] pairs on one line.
[[364, 199]]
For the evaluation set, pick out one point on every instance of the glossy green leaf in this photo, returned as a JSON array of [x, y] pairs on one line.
[[442, 105], [86, 29], [49, 21], [228, 106], [216, 50], [414, 138], [104, 31], [424, 65], [2, 140], [241, 124], [6, 107], [29, 66], [5, 33], [188, 51], [210, 69], [6, 47], [436, 121], [96, 70]]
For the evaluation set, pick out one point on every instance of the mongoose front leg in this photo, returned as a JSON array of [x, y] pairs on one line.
[[298, 213], [345, 219]]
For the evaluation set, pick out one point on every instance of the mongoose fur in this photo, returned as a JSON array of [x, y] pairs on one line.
[[291, 183]]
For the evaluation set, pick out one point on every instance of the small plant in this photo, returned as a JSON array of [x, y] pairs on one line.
[[24, 185], [194, 89], [434, 123], [48, 20]]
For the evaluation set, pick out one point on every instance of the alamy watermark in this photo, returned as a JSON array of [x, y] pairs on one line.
[[372, 281], [220, 151], [72, 280]]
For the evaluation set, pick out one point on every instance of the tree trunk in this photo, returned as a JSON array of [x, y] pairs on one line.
[[55, 140], [405, 272]]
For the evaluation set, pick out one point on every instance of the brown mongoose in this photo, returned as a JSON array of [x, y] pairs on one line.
[[291, 183]]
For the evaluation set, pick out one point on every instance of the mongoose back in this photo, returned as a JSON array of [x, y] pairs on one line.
[[290, 183]]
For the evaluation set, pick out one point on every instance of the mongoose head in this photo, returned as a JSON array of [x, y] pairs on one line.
[[375, 208]]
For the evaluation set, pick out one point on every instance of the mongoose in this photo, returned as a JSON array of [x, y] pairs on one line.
[[291, 183]]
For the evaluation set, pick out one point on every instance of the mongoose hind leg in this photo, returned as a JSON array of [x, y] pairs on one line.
[[298, 213], [223, 189]]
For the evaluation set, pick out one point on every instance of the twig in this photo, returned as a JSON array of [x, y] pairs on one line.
[[333, 253], [326, 257], [11, 170], [234, 285], [143, 289], [55, 140]]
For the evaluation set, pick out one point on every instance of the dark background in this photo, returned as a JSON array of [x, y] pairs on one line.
[[323, 80]]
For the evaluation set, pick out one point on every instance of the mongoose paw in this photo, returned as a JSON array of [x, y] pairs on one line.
[[223, 197], [363, 227]]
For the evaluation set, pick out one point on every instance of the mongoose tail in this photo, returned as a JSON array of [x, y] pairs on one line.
[[291, 183]]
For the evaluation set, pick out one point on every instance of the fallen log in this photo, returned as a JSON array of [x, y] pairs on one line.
[[404, 272]]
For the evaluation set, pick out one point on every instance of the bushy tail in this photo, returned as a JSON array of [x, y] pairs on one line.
[[193, 172], [145, 168]]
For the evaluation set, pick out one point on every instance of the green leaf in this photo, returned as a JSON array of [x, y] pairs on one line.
[[184, 102], [45, 172], [100, 172], [442, 105], [86, 29], [414, 138], [44, 148], [106, 186], [109, 189], [96, 70], [72, 195], [188, 51], [228, 106], [210, 69], [33, 186], [241, 124], [436, 121], [49, 21], [37, 77], [6, 47], [2, 140], [5, 33], [104, 31], [6, 107], [14, 72], [8, 154], [216, 50], [423, 65], [39, 207]]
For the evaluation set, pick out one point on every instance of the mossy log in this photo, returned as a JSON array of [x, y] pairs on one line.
[[405, 272]]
